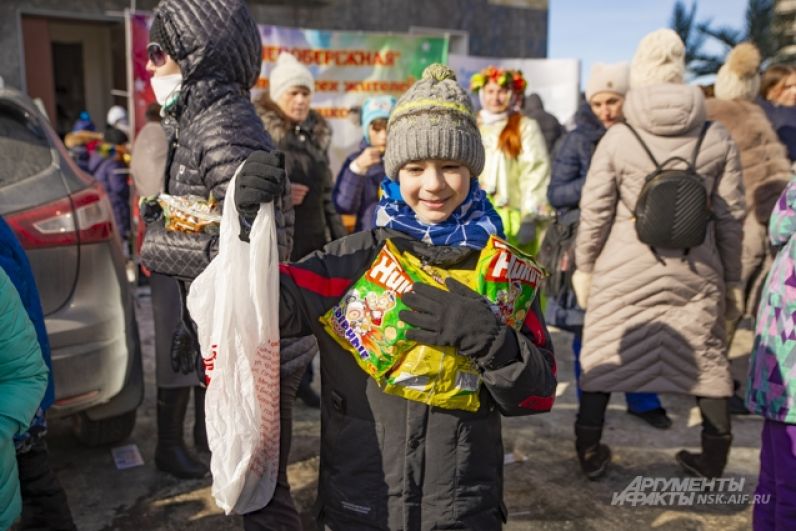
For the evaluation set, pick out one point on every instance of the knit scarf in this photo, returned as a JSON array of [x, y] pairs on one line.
[[469, 225]]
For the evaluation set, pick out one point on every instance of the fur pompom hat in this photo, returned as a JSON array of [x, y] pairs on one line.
[[739, 77], [659, 58]]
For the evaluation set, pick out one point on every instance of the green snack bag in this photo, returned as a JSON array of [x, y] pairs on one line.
[[366, 322], [509, 279]]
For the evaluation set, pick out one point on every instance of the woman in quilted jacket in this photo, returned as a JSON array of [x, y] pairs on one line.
[[204, 57], [771, 386], [655, 317]]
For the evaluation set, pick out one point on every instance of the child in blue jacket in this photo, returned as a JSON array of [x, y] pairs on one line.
[[356, 189]]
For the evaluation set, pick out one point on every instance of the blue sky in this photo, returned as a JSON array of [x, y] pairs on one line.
[[608, 31]]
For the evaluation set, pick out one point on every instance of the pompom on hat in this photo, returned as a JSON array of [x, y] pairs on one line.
[[608, 78], [659, 58], [739, 77], [434, 120], [289, 72]]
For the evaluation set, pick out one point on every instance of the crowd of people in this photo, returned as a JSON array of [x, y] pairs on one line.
[[663, 215]]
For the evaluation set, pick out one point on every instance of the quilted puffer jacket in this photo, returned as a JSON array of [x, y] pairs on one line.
[[572, 160], [213, 127], [656, 323]]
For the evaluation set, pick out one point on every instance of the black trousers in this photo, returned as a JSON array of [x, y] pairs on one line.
[[44, 504], [715, 414]]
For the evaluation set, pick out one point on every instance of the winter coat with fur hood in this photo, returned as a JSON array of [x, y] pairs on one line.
[[213, 127], [766, 172], [306, 148], [657, 325]]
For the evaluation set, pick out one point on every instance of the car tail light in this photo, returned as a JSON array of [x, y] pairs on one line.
[[83, 217]]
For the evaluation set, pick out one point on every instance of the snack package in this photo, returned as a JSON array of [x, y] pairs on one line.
[[437, 376], [509, 279], [366, 322], [190, 213]]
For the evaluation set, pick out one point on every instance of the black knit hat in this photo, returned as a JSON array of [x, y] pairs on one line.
[[157, 34]]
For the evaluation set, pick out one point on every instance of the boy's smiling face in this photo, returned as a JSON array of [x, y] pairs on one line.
[[434, 188]]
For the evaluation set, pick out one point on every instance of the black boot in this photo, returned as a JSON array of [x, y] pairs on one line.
[[710, 463], [171, 455], [199, 429], [593, 455]]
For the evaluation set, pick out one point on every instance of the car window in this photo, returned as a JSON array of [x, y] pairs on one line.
[[24, 148]]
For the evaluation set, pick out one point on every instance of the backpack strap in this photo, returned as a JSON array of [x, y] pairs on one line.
[[643, 144], [702, 134]]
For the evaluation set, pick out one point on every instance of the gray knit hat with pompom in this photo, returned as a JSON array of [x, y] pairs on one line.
[[434, 119]]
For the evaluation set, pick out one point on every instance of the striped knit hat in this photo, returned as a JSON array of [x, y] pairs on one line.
[[434, 119]]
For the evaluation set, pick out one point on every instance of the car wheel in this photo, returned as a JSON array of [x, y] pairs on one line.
[[105, 431]]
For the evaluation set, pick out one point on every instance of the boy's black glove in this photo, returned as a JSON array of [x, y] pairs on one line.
[[458, 318], [261, 180]]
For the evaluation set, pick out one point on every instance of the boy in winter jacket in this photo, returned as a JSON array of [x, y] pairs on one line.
[[772, 384], [388, 462], [356, 189]]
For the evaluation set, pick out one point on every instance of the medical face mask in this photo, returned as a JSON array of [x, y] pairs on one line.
[[165, 87]]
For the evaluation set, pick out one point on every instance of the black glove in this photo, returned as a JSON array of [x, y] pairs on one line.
[[150, 210], [527, 232], [261, 180], [183, 350], [458, 318]]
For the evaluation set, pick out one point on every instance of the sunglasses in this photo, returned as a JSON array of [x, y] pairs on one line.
[[156, 54]]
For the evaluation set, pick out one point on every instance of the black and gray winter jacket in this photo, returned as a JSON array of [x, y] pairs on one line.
[[213, 127], [391, 463], [306, 148]]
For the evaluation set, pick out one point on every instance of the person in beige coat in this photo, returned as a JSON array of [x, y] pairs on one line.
[[764, 161], [655, 320], [766, 172]]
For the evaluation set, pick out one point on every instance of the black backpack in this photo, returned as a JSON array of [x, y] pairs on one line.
[[673, 208]]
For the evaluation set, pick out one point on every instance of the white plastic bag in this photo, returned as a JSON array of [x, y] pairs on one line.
[[235, 304]]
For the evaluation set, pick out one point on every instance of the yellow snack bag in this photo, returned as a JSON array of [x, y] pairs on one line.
[[437, 376], [366, 323]]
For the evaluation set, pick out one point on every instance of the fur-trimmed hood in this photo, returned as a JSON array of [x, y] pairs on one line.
[[764, 160], [315, 127]]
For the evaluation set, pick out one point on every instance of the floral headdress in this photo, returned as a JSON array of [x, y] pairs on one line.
[[512, 79]]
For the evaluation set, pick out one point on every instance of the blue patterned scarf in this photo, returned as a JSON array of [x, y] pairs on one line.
[[470, 225]]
